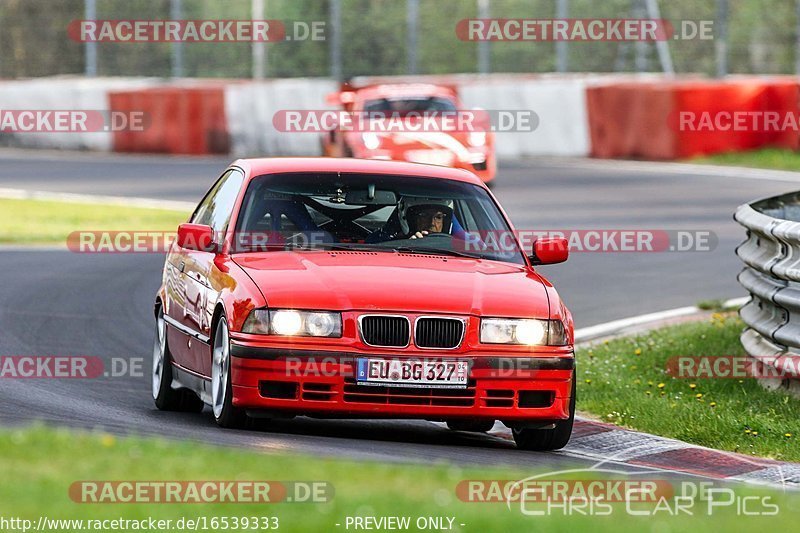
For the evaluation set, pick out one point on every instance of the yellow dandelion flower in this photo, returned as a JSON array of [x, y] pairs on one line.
[[588, 381], [787, 435], [692, 386], [638, 351], [755, 433], [698, 395], [661, 385], [107, 440], [647, 392], [747, 431], [713, 404]]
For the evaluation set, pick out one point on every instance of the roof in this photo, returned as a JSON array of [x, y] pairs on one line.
[[278, 165]]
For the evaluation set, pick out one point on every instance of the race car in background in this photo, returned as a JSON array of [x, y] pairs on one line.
[[450, 147]]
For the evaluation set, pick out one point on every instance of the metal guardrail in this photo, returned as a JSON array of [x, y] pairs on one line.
[[771, 255]]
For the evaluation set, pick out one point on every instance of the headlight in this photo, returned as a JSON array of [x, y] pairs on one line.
[[286, 322], [477, 138], [289, 322], [371, 140], [529, 332]]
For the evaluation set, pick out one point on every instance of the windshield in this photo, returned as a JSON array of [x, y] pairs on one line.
[[403, 106], [371, 212]]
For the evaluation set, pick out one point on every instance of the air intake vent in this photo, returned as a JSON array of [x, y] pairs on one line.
[[392, 331], [353, 252], [439, 333]]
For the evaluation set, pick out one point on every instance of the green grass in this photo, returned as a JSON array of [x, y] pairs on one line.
[[711, 305], [40, 464], [625, 382], [48, 222], [769, 158]]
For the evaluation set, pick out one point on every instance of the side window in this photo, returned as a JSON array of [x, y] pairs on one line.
[[216, 208]]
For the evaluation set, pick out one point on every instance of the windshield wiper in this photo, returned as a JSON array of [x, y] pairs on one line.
[[357, 248], [434, 251], [345, 247], [287, 247]]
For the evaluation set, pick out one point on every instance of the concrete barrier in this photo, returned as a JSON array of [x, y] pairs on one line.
[[646, 119], [559, 104], [63, 93], [250, 107], [603, 115], [180, 119]]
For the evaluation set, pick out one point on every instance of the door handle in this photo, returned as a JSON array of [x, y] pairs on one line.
[[181, 266]]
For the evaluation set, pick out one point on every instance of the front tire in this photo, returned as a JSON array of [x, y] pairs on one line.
[[166, 398], [225, 414], [548, 439]]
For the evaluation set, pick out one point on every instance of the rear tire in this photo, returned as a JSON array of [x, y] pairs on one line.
[[225, 413], [474, 426], [548, 439], [166, 398]]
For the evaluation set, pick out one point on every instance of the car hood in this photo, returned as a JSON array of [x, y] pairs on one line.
[[400, 282]]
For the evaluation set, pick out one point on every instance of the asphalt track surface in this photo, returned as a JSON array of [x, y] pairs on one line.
[[58, 303]]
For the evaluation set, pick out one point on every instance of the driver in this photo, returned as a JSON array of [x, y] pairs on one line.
[[422, 216]]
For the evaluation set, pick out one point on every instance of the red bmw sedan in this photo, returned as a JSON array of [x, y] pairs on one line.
[[346, 288]]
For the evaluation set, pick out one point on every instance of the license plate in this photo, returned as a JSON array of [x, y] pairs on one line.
[[412, 373]]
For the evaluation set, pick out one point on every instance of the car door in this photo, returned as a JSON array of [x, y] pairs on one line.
[[189, 270], [200, 297]]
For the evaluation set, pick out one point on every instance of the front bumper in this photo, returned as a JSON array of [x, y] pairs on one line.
[[321, 383]]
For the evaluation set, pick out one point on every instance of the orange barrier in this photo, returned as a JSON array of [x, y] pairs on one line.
[[681, 119], [178, 120]]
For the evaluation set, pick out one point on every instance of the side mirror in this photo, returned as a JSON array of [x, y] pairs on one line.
[[196, 237], [549, 251]]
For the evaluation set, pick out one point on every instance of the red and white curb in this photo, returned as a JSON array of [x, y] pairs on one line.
[[608, 443], [620, 327], [611, 444]]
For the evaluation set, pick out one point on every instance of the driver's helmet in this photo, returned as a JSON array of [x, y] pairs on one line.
[[409, 206]]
